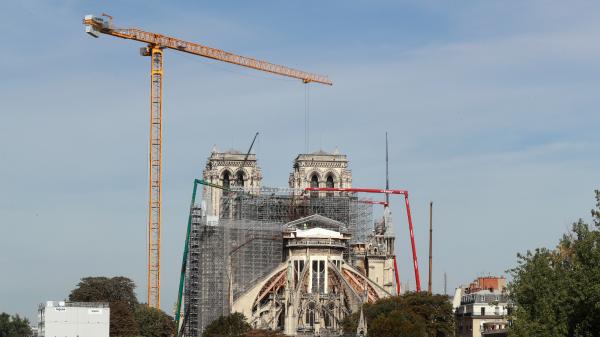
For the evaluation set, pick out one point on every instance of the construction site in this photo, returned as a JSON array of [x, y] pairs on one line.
[[247, 243], [270, 169], [297, 259]]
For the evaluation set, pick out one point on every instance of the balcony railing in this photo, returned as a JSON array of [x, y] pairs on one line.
[[315, 242]]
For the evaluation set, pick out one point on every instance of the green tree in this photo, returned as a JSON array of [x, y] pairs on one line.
[[397, 323], [104, 289], [233, 325], [154, 322], [557, 291], [122, 321], [412, 314], [119, 293], [127, 316], [14, 326]]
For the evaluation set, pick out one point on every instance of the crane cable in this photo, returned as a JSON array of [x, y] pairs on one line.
[[306, 116]]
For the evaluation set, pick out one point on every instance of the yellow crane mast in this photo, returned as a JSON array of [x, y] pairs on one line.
[[156, 43]]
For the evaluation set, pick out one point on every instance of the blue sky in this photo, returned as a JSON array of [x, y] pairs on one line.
[[491, 109]]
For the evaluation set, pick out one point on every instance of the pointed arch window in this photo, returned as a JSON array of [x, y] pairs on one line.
[[314, 182], [329, 183], [226, 180], [239, 179]]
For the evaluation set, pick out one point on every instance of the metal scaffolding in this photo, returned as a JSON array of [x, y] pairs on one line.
[[231, 253]]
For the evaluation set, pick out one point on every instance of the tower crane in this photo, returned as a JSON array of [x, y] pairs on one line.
[[155, 45]]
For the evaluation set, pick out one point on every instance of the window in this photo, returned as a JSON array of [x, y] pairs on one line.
[[310, 314], [482, 311], [315, 276], [298, 269], [314, 181], [321, 277], [226, 179], [318, 277], [329, 184], [240, 179], [296, 273]]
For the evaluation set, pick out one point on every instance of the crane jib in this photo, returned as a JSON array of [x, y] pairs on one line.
[[96, 25]]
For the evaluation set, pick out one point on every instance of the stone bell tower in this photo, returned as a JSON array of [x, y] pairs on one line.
[[320, 169], [230, 169]]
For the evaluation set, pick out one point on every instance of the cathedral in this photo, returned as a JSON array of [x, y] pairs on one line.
[[289, 260]]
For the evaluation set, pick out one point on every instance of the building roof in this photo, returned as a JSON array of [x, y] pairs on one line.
[[315, 221], [319, 233], [322, 156], [233, 155], [51, 304]]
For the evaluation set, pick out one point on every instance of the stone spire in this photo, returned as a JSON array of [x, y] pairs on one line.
[[387, 221], [361, 330]]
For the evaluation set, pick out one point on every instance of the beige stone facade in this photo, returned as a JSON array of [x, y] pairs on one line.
[[320, 169], [230, 169], [314, 270], [315, 287]]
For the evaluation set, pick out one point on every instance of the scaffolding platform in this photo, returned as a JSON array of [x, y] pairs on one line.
[[230, 253]]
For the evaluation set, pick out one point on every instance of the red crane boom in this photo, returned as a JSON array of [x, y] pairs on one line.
[[408, 214]]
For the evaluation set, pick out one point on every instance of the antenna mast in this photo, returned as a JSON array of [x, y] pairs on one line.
[[430, 244], [445, 283], [387, 172]]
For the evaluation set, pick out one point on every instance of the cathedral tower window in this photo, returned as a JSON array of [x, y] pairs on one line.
[[329, 183], [314, 182], [240, 179], [226, 180]]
